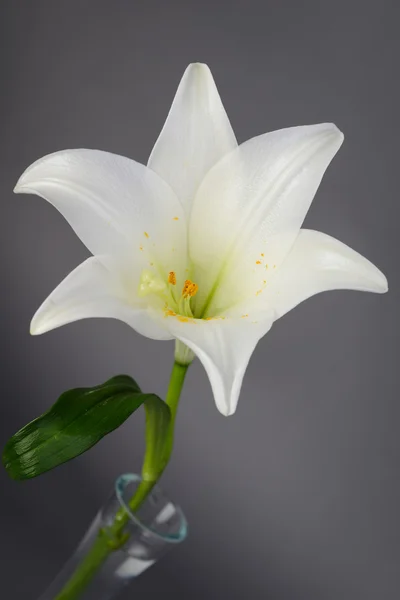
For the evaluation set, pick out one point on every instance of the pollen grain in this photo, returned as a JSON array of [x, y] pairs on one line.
[[189, 289], [172, 277]]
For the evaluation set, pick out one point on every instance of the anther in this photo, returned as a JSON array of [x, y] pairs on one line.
[[189, 289]]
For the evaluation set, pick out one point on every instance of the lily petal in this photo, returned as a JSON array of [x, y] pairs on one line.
[[110, 201], [224, 346], [96, 288], [251, 205], [318, 263], [196, 134]]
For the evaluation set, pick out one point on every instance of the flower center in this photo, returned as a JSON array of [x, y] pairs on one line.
[[174, 305]]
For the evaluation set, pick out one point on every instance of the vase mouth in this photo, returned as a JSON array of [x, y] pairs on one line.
[[171, 538]]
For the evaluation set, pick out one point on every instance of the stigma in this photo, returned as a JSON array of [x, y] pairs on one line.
[[150, 284]]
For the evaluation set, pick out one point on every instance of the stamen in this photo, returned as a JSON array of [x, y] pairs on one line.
[[189, 289], [185, 287], [164, 287], [193, 290]]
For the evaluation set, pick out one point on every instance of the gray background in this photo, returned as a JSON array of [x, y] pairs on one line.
[[296, 497]]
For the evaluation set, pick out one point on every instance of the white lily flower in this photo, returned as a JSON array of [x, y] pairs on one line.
[[204, 243]]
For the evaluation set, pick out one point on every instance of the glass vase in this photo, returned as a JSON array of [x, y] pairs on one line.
[[144, 536]]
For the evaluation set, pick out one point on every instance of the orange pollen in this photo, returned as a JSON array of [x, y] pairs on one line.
[[172, 278], [194, 289], [176, 219], [146, 234], [170, 313], [244, 316], [258, 262], [262, 254], [140, 247], [183, 319], [189, 289]]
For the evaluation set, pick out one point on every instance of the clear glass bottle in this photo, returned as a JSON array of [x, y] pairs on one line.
[[147, 535]]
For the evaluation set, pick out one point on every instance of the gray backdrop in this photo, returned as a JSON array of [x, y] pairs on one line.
[[296, 497]]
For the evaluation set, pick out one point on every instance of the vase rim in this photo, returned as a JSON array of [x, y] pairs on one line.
[[120, 484]]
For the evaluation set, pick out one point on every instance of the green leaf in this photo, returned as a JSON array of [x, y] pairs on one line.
[[158, 418], [77, 421]]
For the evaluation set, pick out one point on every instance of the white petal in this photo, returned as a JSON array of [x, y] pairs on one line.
[[251, 205], [196, 134], [109, 200], [318, 263], [224, 346], [97, 288]]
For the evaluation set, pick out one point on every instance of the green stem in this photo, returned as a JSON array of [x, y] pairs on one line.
[[86, 570], [113, 537], [172, 399]]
